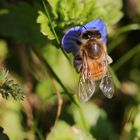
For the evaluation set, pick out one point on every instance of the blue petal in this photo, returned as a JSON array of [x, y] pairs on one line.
[[97, 24], [69, 41]]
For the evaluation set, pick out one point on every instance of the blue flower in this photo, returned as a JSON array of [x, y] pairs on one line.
[[72, 36]]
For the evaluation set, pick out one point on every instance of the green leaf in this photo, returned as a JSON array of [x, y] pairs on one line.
[[126, 57], [134, 128], [18, 22], [115, 78], [104, 11], [3, 50], [119, 35], [54, 7], [63, 131], [8, 88], [95, 119], [70, 10], [137, 121], [44, 89], [81, 118], [10, 116], [52, 24], [53, 74], [75, 12], [44, 23]]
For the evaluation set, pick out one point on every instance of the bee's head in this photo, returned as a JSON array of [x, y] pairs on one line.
[[89, 34]]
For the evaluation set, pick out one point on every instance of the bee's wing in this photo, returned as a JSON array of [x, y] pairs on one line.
[[107, 85], [86, 88]]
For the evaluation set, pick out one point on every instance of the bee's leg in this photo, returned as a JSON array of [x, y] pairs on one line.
[[85, 69], [78, 62], [109, 59]]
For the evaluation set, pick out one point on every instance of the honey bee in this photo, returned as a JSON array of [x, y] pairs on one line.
[[92, 62]]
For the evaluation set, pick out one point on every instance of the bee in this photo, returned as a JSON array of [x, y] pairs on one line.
[[92, 62]]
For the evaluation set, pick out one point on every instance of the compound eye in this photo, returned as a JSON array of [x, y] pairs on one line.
[[84, 36], [94, 50], [87, 35], [97, 34]]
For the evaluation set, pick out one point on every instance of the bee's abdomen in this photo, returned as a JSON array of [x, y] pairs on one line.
[[97, 71]]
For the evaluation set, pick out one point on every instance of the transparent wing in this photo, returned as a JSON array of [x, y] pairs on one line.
[[107, 86], [86, 88]]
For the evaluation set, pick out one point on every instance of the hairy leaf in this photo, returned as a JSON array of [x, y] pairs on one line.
[[44, 23], [76, 12], [8, 88]]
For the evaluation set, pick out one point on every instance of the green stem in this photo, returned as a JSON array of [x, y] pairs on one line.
[[83, 119], [128, 28], [52, 74], [47, 12], [115, 78], [126, 57], [118, 37]]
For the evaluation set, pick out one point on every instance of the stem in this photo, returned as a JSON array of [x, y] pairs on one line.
[[83, 119], [47, 12], [118, 37], [126, 57], [52, 74], [60, 100], [115, 78]]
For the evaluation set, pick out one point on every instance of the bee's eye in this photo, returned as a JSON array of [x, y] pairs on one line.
[[87, 35], [91, 34], [97, 34], [94, 50]]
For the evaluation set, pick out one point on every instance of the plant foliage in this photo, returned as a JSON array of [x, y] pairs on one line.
[[30, 47], [8, 88]]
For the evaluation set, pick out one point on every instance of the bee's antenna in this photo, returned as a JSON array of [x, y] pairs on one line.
[[84, 27]]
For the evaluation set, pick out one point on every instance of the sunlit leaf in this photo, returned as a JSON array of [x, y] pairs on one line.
[[8, 88], [63, 131], [56, 133], [3, 50], [44, 89], [10, 120], [54, 6], [78, 12], [82, 119], [44, 23], [91, 118]]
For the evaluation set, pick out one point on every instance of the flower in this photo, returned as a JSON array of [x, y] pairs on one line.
[[72, 36]]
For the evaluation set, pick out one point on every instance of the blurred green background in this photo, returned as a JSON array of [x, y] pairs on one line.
[[30, 49]]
